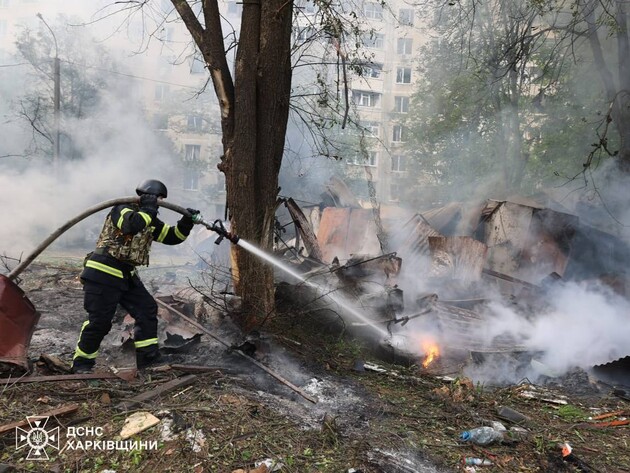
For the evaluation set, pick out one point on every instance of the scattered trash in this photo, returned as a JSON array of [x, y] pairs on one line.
[[196, 438], [272, 465], [138, 422], [477, 461], [54, 363], [172, 424], [485, 435], [532, 392], [569, 457], [374, 367], [515, 434], [511, 415]]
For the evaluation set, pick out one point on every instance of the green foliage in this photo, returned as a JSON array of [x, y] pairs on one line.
[[498, 105], [570, 413]]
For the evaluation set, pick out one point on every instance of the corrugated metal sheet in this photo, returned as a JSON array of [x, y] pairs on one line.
[[416, 231], [347, 231], [462, 329]]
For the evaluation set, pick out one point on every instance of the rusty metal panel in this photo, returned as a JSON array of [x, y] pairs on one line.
[[461, 258], [362, 234], [345, 231], [18, 319], [304, 229], [333, 230], [506, 234], [417, 231]]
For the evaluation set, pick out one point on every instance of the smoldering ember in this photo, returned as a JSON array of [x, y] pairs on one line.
[[510, 314]]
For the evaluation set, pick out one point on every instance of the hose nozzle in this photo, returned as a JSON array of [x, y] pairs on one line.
[[218, 227]]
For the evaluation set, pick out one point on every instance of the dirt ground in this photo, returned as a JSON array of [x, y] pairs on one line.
[[369, 416]]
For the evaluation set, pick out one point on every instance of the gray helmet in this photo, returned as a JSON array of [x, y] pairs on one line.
[[152, 186]]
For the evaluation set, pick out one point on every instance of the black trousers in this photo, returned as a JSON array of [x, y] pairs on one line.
[[101, 301]]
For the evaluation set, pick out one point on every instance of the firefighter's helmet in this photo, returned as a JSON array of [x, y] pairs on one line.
[[152, 186]]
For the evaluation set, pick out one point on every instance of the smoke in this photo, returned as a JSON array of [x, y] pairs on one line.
[[120, 150], [107, 145], [582, 326]]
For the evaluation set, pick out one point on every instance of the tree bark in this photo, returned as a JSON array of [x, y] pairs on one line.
[[254, 115]]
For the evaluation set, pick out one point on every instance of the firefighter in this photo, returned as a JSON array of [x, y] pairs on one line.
[[110, 277]]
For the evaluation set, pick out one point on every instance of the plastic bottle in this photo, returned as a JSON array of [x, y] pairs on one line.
[[482, 435]]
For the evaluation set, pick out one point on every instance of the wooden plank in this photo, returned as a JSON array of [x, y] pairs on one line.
[[198, 368], [58, 377], [59, 411], [238, 352], [156, 392]]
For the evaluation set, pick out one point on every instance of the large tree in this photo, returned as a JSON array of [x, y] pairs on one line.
[[254, 108], [479, 100]]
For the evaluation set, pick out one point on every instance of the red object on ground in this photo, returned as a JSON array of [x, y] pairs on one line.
[[18, 318]]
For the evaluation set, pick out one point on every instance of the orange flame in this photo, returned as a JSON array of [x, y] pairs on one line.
[[431, 352]]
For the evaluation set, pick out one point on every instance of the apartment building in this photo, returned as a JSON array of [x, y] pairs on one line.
[[161, 56], [382, 95], [168, 77]]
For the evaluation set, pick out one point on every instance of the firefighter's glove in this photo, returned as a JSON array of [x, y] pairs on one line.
[[148, 204], [195, 215]]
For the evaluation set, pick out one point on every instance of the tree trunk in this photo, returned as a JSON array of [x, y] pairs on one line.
[[618, 96], [254, 115], [254, 154]]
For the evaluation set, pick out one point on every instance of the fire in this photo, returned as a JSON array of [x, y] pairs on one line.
[[431, 352]]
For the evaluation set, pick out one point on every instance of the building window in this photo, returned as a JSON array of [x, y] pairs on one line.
[[366, 99], [405, 16], [373, 10], [197, 66], [403, 46], [372, 70], [3, 27], [398, 134], [234, 8], [403, 75], [370, 158], [374, 40], [4, 3], [191, 179], [192, 152], [195, 123], [161, 92], [401, 104], [399, 163], [371, 128]]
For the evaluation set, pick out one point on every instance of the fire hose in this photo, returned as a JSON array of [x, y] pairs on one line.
[[18, 357], [216, 226]]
